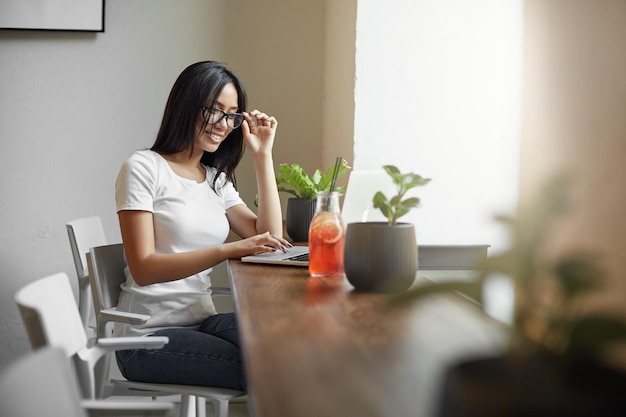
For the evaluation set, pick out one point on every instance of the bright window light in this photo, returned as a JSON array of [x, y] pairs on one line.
[[437, 92]]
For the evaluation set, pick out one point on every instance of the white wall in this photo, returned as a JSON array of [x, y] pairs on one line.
[[438, 93], [73, 106]]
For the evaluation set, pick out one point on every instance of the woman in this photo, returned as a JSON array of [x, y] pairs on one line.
[[176, 204]]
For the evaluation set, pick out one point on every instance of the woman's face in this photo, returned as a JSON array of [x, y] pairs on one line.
[[210, 138]]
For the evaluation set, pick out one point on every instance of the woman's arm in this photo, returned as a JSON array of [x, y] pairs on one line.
[[149, 267], [244, 222], [270, 217], [259, 131]]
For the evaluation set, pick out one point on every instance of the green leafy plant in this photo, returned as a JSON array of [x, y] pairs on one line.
[[395, 207], [292, 179]]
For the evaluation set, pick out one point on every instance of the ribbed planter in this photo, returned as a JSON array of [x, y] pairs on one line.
[[298, 218], [379, 257]]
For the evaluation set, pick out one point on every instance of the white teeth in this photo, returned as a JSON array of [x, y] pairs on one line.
[[216, 137]]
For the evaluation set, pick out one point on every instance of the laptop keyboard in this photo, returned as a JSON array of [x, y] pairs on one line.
[[301, 257]]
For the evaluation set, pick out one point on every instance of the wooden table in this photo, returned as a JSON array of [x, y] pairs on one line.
[[315, 347]]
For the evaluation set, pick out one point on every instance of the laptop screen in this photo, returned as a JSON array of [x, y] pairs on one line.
[[362, 186]]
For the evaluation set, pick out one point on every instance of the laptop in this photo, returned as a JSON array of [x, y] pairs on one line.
[[357, 207], [362, 185], [297, 256]]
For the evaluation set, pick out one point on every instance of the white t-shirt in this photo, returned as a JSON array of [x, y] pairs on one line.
[[187, 216]]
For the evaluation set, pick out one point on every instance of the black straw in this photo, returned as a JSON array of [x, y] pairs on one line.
[[335, 173]]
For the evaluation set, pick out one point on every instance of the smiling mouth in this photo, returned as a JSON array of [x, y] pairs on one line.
[[214, 137]]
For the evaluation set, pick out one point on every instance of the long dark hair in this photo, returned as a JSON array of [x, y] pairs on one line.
[[200, 84]]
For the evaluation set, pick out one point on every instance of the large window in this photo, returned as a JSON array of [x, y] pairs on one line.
[[437, 92]]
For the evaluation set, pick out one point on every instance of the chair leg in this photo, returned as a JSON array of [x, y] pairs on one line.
[[221, 408], [187, 405], [200, 407], [101, 372]]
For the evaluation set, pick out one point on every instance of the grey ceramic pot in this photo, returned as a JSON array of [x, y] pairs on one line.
[[298, 218], [379, 257]]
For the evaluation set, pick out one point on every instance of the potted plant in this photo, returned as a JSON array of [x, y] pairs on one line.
[[559, 359], [382, 256], [292, 179]]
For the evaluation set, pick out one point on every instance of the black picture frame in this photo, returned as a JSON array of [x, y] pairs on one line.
[[52, 15]]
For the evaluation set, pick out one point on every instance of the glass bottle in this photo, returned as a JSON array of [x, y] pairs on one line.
[[327, 237]]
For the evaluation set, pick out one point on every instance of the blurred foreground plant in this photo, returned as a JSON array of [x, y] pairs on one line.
[[546, 290]]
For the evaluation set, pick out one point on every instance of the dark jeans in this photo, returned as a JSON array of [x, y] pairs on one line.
[[209, 356]]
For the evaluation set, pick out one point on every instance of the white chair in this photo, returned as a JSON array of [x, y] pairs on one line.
[[41, 383], [83, 234], [50, 316], [106, 272]]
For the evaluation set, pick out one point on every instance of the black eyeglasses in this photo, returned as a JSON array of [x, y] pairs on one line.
[[213, 116]]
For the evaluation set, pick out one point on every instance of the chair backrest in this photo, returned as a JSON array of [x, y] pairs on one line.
[[84, 234], [106, 264], [50, 314], [41, 383]]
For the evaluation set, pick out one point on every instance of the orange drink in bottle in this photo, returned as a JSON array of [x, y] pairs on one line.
[[327, 236]]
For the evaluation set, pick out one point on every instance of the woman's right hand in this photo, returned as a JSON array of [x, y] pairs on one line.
[[264, 242], [259, 130]]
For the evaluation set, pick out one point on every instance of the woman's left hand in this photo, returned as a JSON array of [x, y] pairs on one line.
[[259, 130]]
